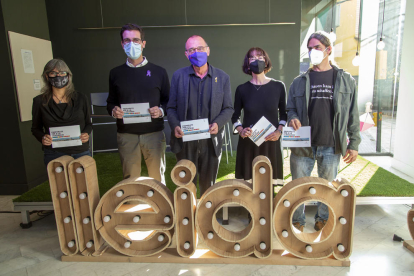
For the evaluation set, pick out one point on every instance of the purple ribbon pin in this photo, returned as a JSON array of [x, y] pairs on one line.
[[148, 73]]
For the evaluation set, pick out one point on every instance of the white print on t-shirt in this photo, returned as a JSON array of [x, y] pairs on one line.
[[322, 91]]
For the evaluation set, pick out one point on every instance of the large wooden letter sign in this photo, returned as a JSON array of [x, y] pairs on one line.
[[410, 220], [139, 218], [74, 202], [256, 198]]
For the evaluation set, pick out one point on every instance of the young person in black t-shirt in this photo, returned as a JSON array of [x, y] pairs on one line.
[[325, 99], [60, 105], [139, 81]]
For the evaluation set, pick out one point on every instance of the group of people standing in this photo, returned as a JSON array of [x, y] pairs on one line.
[[324, 98]]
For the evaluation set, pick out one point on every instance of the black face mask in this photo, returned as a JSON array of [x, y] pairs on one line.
[[257, 66], [58, 81]]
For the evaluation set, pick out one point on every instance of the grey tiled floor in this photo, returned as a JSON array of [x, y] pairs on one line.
[[36, 251]]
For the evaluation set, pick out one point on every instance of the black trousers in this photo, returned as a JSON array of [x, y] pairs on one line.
[[202, 154]]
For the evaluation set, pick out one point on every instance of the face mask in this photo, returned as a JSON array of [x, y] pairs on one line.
[[257, 66], [58, 81], [133, 50], [316, 56], [198, 59]]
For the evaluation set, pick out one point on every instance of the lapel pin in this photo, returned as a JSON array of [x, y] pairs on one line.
[[148, 73], [216, 79]]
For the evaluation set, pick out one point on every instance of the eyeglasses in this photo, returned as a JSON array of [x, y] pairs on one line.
[[257, 58], [60, 74], [198, 49], [135, 40]]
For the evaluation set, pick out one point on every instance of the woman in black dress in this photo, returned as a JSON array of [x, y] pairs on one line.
[[261, 96], [60, 105]]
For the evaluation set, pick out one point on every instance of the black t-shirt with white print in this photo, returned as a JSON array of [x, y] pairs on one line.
[[321, 111]]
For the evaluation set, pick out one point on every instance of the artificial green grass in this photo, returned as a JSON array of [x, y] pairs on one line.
[[381, 183], [384, 183], [110, 173]]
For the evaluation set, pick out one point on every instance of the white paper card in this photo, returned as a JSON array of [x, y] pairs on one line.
[[296, 139], [28, 64], [36, 85], [67, 136], [260, 130], [136, 113], [195, 130]]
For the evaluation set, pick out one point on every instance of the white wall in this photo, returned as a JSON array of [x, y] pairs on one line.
[[404, 143], [367, 52]]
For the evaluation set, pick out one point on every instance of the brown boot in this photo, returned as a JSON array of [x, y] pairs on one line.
[[319, 225], [298, 226]]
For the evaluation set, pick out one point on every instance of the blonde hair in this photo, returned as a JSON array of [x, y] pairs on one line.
[[47, 90]]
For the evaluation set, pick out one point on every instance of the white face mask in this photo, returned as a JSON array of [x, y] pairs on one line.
[[133, 50], [316, 56]]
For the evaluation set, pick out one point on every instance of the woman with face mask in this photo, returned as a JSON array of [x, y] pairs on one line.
[[261, 96], [59, 105]]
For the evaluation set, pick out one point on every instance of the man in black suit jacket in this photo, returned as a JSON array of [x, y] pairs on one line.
[[200, 91]]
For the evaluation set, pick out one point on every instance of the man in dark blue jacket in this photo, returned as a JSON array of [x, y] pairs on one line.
[[200, 91]]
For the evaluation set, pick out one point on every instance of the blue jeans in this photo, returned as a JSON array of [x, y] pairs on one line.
[[51, 155], [328, 163]]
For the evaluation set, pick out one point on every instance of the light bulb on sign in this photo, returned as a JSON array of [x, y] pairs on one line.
[[186, 245], [285, 234], [119, 193], [82, 196], [344, 193], [136, 219], [79, 170], [71, 244], [341, 248], [356, 60], [237, 247], [86, 220], [67, 219], [63, 194], [286, 203], [59, 169], [262, 195], [236, 192], [185, 221], [127, 244], [161, 238], [150, 193], [167, 219], [184, 196], [312, 190], [182, 174], [262, 170], [262, 221], [262, 246], [107, 218], [89, 244], [309, 248], [210, 235], [381, 44], [208, 204], [342, 220]]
